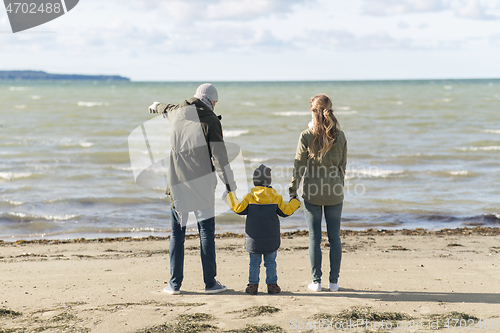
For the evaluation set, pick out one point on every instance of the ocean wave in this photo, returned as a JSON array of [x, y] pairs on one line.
[[92, 104], [35, 97], [293, 113], [486, 219], [256, 160], [342, 108], [71, 143], [489, 148], [372, 172], [235, 133], [346, 112], [448, 87], [87, 201], [494, 131], [24, 217], [22, 106], [14, 175], [248, 103], [460, 173], [19, 88], [14, 203]]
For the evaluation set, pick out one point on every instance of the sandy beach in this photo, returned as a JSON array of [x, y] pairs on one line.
[[405, 281]]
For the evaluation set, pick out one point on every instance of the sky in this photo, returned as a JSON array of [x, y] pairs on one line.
[[263, 40]]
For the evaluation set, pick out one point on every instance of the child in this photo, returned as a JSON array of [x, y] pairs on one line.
[[262, 207]]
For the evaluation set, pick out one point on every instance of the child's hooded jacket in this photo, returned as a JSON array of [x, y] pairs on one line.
[[262, 207]]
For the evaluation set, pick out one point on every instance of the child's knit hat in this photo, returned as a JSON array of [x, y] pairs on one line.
[[262, 176]]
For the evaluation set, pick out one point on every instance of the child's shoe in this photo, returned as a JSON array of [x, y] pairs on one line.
[[252, 289], [273, 289]]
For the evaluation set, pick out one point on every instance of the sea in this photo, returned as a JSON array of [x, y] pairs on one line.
[[421, 154]]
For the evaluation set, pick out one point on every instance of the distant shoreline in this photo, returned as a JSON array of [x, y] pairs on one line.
[[39, 75]]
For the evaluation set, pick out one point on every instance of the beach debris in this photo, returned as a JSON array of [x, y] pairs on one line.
[[194, 322], [483, 231], [9, 313], [364, 313], [257, 329], [397, 248], [256, 311]]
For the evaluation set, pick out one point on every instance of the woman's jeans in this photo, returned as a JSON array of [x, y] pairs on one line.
[[269, 263], [314, 215], [206, 229]]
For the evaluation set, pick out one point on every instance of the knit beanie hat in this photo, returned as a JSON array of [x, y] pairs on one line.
[[208, 91], [262, 176]]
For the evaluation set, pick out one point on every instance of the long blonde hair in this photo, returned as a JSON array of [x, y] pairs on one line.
[[325, 125]]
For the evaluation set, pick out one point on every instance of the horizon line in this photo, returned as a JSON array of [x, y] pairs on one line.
[[312, 80]]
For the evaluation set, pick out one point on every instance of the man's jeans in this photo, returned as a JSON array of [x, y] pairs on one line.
[[314, 214], [206, 229], [269, 263]]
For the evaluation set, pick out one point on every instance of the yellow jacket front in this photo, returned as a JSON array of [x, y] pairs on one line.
[[262, 207]]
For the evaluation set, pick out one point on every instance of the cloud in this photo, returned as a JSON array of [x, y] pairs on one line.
[[495, 40], [342, 39], [395, 7], [345, 40], [403, 25], [471, 9], [227, 9], [190, 39], [474, 9]]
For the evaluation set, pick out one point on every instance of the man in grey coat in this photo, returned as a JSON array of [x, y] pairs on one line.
[[198, 151]]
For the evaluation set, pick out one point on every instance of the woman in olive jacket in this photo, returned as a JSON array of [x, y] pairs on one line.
[[321, 160]]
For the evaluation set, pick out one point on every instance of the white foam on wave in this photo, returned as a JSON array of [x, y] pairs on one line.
[[342, 108], [14, 203], [292, 113], [235, 133], [58, 217], [22, 106], [448, 87], [18, 88], [35, 97], [372, 172], [14, 175], [256, 160], [248, 103], [87, 144], [489, 148], [72, 143], [459, 173], [346, 112], [494, 131], [92, 104], [45, 217]]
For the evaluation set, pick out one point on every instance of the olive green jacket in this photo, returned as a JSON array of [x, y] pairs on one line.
[[323, 180]]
